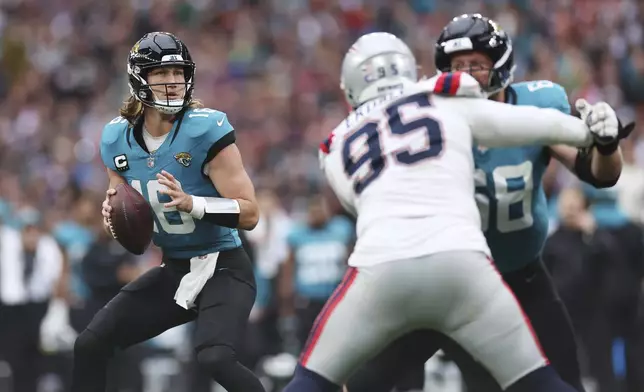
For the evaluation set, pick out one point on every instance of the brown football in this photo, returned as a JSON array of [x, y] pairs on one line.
[[131, 220]]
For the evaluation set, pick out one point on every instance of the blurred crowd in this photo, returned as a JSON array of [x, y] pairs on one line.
[[273, 67]]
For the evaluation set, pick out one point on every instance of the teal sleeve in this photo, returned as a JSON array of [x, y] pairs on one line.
[[560, 99], [109, 139]]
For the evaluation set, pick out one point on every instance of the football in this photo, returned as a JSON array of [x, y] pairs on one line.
[[131, 221]]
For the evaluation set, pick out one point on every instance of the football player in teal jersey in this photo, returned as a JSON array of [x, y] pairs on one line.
[[513, 208], [183, 159], [318, 251]]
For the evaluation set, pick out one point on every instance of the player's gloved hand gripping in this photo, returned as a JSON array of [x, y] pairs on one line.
[[603, 124]]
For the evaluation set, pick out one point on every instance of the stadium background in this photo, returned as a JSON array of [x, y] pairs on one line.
[[273, 67]]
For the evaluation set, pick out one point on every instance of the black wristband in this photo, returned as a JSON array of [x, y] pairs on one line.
[[583, 169], [217, 210], [607, 149], [226, 220]]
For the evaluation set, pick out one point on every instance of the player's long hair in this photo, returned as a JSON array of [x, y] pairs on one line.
[[132, 108]]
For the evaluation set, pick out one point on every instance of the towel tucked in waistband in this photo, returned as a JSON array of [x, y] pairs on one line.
[[202, 268]]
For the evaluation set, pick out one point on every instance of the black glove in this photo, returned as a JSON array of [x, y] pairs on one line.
[[622, 133], [625, 131]]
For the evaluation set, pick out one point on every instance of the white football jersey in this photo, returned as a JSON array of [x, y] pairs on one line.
[[403, 165]]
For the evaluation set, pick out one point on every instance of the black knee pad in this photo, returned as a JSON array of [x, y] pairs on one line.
[[216, 359], [88, 344]]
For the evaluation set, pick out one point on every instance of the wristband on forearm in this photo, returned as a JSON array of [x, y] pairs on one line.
[[607, 149], [584, 170], [217, 210], [622, 133]]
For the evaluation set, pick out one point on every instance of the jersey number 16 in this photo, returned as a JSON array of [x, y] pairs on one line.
[[373, 155], [172, 221]]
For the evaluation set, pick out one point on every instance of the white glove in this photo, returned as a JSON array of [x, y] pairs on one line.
[[600, 119], [55, 332]]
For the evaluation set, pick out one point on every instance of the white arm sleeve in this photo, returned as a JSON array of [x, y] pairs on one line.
[[496, 124]]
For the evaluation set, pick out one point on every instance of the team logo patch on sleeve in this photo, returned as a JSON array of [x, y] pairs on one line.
[[184, 158]]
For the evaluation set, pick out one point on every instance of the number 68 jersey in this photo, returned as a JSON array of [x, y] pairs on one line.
[[509, 193], [403, 165], [182, 154]]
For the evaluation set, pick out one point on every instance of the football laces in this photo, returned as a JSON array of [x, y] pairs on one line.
[[109, 224]]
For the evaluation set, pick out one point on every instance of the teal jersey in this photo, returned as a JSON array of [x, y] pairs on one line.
[[605, 207], [320, 256], [76, 240], [509, 193], [183, 154]]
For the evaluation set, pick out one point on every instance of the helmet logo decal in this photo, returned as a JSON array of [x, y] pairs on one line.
[[171, 57], [457, 45]]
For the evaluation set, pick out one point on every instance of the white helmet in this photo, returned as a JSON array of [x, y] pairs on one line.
[[376, 64]]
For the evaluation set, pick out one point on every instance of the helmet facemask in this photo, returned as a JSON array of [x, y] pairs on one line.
[[144, 91], [478, 34], [499, 75]]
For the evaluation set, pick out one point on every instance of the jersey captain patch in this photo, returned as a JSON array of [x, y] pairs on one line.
[[120, 163]]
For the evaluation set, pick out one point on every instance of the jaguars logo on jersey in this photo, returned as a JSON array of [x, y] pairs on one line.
[[184, 158]]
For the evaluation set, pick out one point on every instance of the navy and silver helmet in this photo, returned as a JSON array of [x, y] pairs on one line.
[[376, 64]]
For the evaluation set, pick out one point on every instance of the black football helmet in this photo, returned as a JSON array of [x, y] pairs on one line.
[[473, 32], [158, 50]]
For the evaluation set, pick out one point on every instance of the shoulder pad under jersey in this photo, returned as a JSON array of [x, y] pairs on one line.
[[206, 125], [112, 139], [543, 94]]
